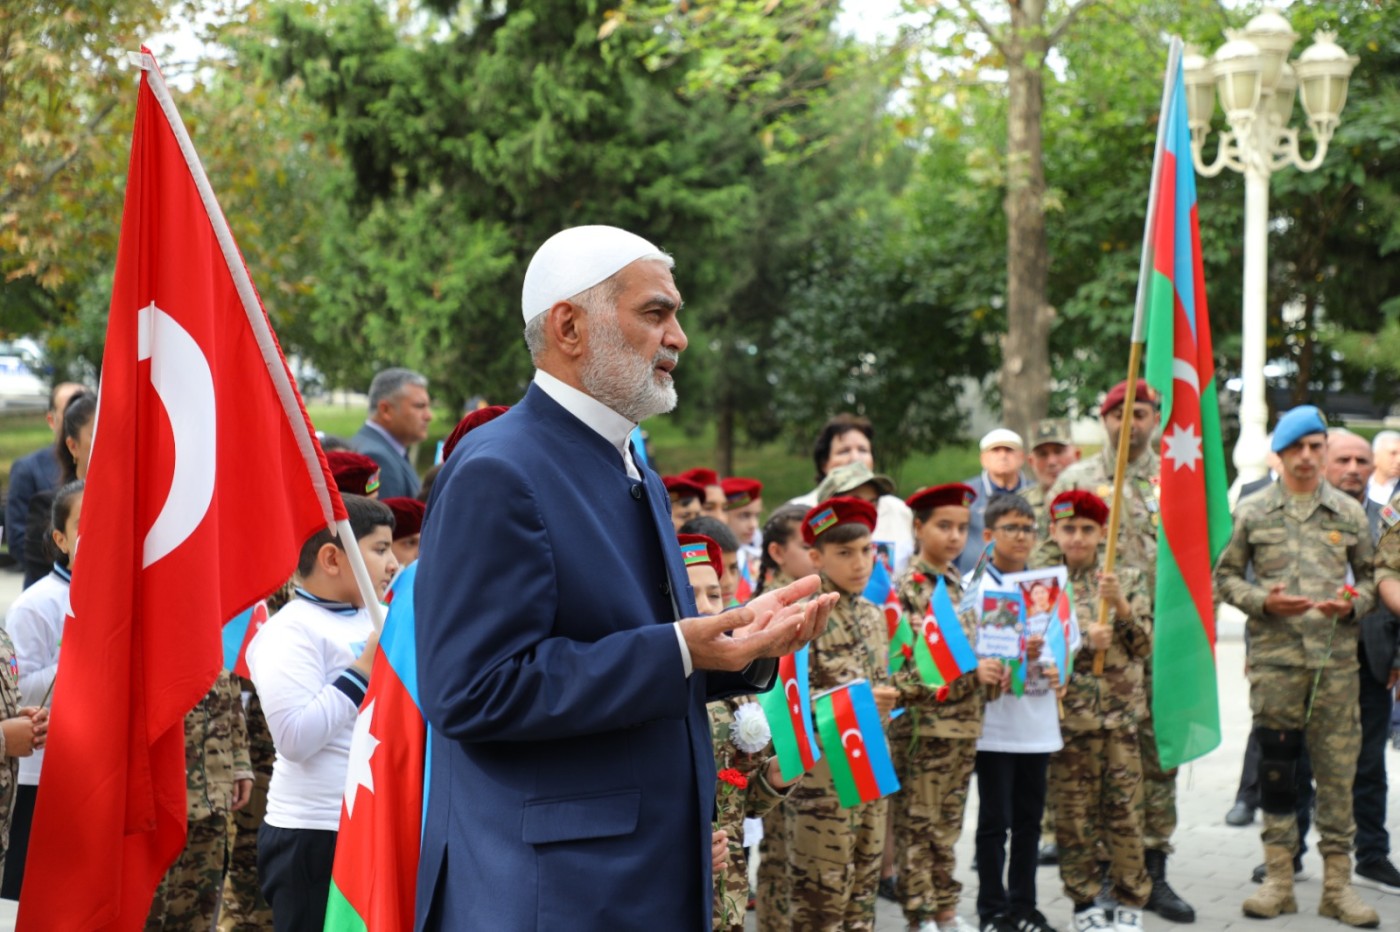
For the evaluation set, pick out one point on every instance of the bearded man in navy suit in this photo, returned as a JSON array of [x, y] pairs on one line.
[[561, 663]]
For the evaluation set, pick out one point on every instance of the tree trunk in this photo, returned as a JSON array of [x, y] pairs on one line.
[[1025, 371], [724, 436]]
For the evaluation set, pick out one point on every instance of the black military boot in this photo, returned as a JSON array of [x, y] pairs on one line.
[[1164, 901]]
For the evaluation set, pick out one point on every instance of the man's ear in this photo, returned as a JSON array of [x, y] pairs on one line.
[[565, 323]]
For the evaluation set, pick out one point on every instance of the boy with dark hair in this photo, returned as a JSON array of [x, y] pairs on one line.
[[311, 664], [708, 479], [408, 528], [1096, 778], [935, 741], [834, 853], [687, 500], [720, 533], [1013, 753]]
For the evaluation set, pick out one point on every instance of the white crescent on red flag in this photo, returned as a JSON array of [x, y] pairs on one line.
[[205, 480]]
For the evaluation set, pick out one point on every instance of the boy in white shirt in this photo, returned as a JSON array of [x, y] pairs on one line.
[[311, 663]]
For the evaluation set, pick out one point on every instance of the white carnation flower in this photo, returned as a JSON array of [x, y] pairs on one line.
[[750, 732]]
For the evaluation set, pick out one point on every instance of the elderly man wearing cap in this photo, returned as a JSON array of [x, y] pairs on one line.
[[1311, 552], [562, 663], [1052, 451], [1137, 547], [1003, 455]]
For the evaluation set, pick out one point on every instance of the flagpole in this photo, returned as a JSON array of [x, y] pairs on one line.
[[1135, 353], [361, 572]]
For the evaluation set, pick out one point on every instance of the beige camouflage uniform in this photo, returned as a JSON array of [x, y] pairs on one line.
[[834, 853], [773, 904], [1096, 778], [733, 806], [934, 745], [1137, 547], [216, 755], [1306, 544], [9, 766], [244, 909]]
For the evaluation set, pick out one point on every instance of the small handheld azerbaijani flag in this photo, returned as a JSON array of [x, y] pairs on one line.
[[1059, 635], [943, 652], [854, 741], [788, 708], [238, 634], [881, 591]]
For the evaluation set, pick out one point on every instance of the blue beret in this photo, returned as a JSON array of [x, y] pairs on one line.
[[1296, 424]]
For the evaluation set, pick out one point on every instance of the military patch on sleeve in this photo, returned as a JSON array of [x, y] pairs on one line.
[[1390, 516]]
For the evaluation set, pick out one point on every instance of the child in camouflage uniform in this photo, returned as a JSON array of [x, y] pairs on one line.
[[934, 743], [22, 731], [1096, 778], [218, 779], [834, 853]]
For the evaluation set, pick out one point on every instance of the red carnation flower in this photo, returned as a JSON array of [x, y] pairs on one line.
[[919, 578], [1349, 592], [942, 694], [734, 778], [908, 651]]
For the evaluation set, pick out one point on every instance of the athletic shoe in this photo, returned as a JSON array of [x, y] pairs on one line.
[[1378, 875], [1031, 920], [1093, 919], [956, 924], [1127, 919]]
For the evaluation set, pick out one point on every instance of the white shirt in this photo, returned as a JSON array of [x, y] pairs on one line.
[[35, 625], [1380, 492], [295, 660], [615, 429]]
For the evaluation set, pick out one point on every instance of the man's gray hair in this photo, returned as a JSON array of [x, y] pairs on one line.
[[602, 296], [389, 382], [1384, 439]]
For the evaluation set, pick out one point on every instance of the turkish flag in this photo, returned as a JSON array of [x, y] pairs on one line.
[[205, 480]]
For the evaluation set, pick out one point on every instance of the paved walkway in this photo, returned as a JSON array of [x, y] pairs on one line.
[[1213, 861]]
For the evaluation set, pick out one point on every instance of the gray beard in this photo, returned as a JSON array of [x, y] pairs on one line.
[[620, 378]]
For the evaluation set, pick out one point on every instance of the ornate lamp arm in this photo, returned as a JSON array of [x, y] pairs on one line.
[[1227, 153], [1287, 152]]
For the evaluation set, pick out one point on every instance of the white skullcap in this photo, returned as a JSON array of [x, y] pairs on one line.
[[575, 260]]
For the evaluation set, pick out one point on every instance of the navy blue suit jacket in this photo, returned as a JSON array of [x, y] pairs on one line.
[[572, 775], [396, 476]]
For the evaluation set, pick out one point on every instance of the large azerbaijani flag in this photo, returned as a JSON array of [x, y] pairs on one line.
[[381, 816], [1195, 519], [788, 708], [854, 740]]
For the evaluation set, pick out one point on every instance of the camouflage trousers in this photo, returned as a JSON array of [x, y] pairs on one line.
[[188, 895], [1158, 787], [833, 863], [1096, 782], [244, 909], [773, 895], [731, 899], [928, 817], [1278, 697]]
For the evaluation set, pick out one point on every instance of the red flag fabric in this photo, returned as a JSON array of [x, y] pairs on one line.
[[205, 479]]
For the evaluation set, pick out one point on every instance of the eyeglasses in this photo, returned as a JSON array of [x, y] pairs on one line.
[[1015, 530]]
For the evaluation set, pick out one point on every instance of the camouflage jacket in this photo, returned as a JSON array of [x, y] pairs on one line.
[[1137, 530], [9, 766], [733, 806], [216, 748], [1116, 699], [959, 715], [855, 645], [1306, 544], [1038, 497]]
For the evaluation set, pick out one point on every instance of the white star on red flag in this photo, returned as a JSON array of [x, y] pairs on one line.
[[1183, 447], [362, 747]]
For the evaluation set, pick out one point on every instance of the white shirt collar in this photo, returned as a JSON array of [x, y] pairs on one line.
[[394, 441], [611, 426]]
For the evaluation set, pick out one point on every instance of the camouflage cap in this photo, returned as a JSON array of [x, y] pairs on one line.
[[845, 479], [1051, 430]]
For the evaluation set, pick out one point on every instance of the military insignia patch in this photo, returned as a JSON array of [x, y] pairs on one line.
[[1390, 516]]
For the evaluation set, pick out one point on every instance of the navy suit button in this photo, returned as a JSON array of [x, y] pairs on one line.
[[637, 492], [666, 588]]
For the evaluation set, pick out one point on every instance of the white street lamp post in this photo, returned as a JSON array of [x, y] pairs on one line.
[[1256, 86]]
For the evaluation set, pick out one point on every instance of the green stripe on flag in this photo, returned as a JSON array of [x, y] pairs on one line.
[[929, 674], [903, 636], [340, 915], [775, 709], [1185, 700], [834, 751]]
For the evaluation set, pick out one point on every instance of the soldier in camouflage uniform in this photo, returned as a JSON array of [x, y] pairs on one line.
[[218, 781], [22, 731], [1137, 547], [834, 853], [934, 743], [1096, 778], [1304, 539], [1052, 451]]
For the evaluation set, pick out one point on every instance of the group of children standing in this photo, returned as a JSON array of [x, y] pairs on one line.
[[1071, 747]]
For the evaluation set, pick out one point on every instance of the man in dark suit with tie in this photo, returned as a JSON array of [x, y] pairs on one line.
[[399, 413], [563, 668]]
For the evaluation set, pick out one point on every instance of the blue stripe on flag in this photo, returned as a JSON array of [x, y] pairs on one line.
[[799, 659], [400, 646], [878, 589], [873, 736], [951, 629], [1178, 143], [234, 633]]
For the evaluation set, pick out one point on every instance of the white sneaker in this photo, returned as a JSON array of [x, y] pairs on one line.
[[1127, 919], [1093, 919], [956, 924]]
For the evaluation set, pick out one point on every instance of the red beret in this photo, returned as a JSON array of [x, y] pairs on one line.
[[1119, 393], [682, 488], [699, 550], [740, 492], [408, 516], [835, 511], [939, 496], [701, 475], [354, 473], [1076, 503], [466, 425]]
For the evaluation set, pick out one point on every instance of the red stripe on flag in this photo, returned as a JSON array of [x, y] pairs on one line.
[[857, 757], [938, 647], [792, 694]]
